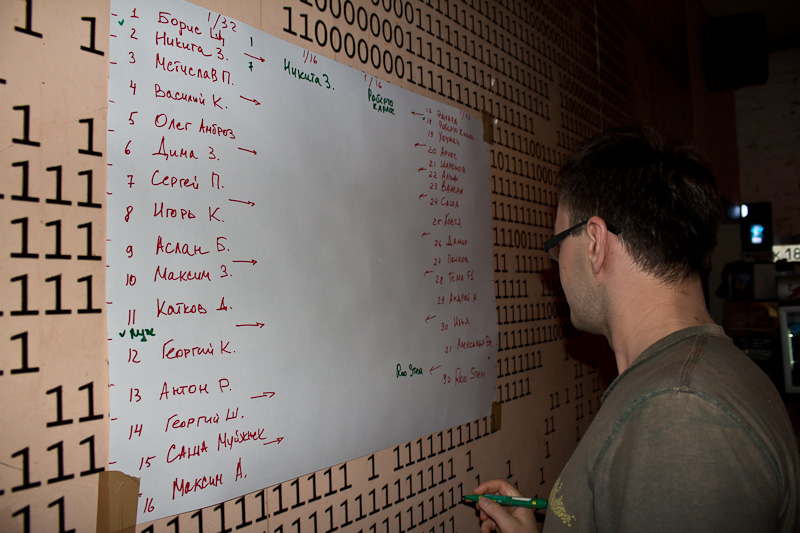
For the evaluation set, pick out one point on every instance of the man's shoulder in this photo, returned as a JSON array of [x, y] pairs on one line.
[[700, 358]]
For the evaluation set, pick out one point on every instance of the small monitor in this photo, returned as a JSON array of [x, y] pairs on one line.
[[756, 224], [790, 340], [756, 233]]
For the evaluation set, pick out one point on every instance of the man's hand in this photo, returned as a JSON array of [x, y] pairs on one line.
[[495, 517]]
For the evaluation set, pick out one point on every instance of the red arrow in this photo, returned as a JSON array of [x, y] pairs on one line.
[[254, 57], [425, 234], [428, 272], [259, 324], [421, 169], [429, 318], [420, 144], [251, 204], [417, 114], [434, 368], [278, 440], [253, 261], [256, 102], [265, 395], [246, 150], [423, 195]]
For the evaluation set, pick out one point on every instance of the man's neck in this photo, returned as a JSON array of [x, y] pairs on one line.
[[645, 311]]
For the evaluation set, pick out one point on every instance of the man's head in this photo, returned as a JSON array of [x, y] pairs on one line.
[[661, 199]]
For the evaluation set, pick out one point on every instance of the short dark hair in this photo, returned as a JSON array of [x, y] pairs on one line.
[[660, 196]]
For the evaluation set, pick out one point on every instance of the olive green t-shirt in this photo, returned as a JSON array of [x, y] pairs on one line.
[[693, 436]]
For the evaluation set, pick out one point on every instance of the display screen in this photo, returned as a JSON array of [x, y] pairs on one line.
[[790, 331], [756, 233]]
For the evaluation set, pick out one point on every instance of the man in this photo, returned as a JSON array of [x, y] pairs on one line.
[[691, 435]]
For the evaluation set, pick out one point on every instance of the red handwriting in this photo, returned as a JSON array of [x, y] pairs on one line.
[[182, 390], [170, 212], [257, 325], [203, 420], [452, 189], [460, 321], [174, 181], [462, 298], [191, 389], [214, 129], [192, 71], [447, 153], [178, 308], [460, 378], [257, 58], [240, 436], [184, 487], [164, 17], [185, 452], [178, 248], [453, 241], [170, 352], [162, 39], [308, 57], [165, 274], [162, 120], [179, 95], [180, 152], [239, 472], [474, 343], [449, 165]]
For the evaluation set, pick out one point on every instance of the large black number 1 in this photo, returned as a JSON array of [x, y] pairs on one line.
[[28, 15], [91, 48]]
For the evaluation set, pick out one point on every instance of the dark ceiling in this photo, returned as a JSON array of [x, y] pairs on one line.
[[782, 18]]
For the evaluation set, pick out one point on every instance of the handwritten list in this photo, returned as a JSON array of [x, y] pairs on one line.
[[299, 260]]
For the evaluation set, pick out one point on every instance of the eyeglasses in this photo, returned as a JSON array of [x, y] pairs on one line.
[[552, 246]]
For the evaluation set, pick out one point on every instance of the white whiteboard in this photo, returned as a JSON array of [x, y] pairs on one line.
[[299, 260]]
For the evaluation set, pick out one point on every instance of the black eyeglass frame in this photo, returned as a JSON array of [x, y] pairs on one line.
[[555, 240]]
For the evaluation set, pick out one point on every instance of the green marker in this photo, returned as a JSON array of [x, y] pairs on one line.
[[514, 501]]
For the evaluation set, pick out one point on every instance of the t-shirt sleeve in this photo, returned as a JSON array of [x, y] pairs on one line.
[[677, 461]]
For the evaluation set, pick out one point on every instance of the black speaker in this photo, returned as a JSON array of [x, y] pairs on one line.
[[735, 51]]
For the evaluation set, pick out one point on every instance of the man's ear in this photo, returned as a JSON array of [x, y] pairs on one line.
[[597, 231]]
